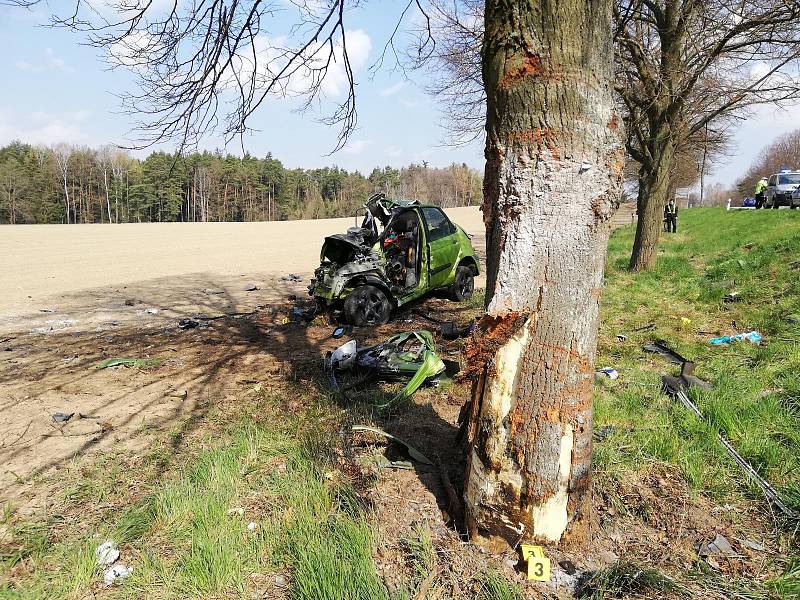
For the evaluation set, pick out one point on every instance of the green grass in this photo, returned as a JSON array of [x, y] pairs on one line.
[[496, 587], [186, 537], [757, 388], [756, 397]]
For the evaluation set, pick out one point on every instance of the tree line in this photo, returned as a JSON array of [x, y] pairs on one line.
[[65, 184], [783, 153]]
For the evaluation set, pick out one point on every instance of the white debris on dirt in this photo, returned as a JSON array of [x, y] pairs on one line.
[[116, 573], [107, 553]]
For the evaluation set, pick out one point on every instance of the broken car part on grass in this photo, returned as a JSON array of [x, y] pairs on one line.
[[769, 492], [411, 354], [401, 251]]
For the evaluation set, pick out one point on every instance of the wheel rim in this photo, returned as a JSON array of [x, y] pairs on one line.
[[466, 285], [371, 308]]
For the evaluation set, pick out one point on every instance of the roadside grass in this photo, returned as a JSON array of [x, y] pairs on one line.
[[755, 402], [187, 533]]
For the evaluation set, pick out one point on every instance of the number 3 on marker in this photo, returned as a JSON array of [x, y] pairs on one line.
[[538, 564]]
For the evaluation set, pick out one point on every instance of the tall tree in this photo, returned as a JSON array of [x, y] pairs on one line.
[[685, 66], [554, 162]]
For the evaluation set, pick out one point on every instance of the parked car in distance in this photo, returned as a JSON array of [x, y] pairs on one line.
[[366, 273], [781, 188]]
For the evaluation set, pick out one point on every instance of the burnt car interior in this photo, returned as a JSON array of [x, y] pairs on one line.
[[401, 247]]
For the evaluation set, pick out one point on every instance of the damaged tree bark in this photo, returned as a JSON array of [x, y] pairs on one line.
[[554, 161]]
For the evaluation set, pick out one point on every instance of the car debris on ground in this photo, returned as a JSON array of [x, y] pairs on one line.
[[141, 363], [751, 336], [410, 354], [292, 277], [412, 452], [607, 372]]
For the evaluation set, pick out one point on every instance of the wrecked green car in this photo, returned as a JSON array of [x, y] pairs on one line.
[[402, 251]]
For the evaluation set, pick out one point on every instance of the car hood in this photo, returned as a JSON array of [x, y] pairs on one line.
[[341, 248]]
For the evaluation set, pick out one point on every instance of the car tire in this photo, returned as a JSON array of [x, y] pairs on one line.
[[464, 284], [367, 305], [775, 205]]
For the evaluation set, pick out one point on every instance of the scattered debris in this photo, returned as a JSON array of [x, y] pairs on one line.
[[213, 291], [235, 511], [601, 434], [750, 544], [661, 347], [646, 327], [62, 417], [151, 311], [129, 302], [250, 287], [621, 337], [182, 394], [720, 546], [752, 336], [340, 331], [107, 553], [448, 329], [251, 526], [569, 567], [746, 467], [46, 310], [142, 363], [732, 297], [408, 354], [685, 380], [188, 324], [607, 372], [412, 452], [292, 277], [116, 573], [379, 461]]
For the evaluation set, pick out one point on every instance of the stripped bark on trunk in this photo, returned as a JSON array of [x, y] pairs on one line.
[[554, 161]]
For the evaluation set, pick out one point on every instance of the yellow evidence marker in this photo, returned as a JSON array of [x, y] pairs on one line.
[[538, 564]]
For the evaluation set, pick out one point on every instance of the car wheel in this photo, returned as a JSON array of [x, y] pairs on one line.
[[464, 284], [367, 305], [775, 204]]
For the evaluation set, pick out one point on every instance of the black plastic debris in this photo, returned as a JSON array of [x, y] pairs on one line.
[[340, 331], [188, 324], [292, 277], [661, 347], [732, 297]]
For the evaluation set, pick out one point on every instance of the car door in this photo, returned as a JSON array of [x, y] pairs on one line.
[[769, 193], [442, 246]]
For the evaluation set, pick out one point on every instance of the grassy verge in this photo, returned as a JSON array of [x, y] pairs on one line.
[[756, 397], [187, 533]]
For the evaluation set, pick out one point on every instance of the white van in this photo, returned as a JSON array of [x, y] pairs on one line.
[[781, 190]]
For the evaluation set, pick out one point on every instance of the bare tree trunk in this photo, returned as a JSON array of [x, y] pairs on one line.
[[554, 162], [652, 198]]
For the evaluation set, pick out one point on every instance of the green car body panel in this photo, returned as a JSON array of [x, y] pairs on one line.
[[359, 258]]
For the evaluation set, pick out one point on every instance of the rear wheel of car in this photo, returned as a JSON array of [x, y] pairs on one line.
[[464, 284], [367, 305]]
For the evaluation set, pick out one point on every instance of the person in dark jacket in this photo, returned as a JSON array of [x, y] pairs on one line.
[[671, 216]]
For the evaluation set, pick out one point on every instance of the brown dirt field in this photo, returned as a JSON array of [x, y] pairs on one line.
[[73, 295]]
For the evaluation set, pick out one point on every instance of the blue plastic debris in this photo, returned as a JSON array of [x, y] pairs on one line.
[[752, 336]]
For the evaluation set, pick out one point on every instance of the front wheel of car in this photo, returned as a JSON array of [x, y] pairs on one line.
[[463, 285], [367, 305]]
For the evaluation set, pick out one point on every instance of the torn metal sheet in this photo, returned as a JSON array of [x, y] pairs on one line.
[[409, 354]]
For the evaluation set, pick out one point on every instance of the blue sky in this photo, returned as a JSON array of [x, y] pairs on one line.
[[57, 90]]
